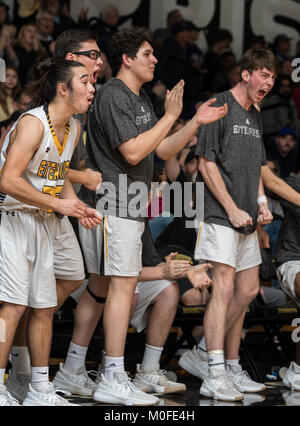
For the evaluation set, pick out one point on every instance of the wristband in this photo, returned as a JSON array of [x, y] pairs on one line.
[[262, 199]]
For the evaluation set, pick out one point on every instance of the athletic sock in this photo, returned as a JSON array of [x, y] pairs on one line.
[[151, 358], [2, 374], [75, 357], [20, 360], [232, 363], [112, 365], [216, 362], [202, 348], [40, 379]]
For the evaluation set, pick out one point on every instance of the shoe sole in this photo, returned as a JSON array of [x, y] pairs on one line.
[[106, 399], [186, 366], [74, 390], [159, 389], [205, 391]]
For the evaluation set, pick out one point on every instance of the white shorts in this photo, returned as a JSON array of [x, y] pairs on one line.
[[34, 251], [147, 291], [221, 244], [288, 272], [117, 245]]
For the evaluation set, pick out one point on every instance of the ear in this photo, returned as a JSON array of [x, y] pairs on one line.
[[245, 76], [61, 88], [126, 60], [69, 57]]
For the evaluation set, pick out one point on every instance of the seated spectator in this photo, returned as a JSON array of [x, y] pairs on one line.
[[282, 47], [283, 152], [8, 93], [258, 42], [278, 110], [4, 16], [45, 24], [173, 17], [286, 67], [22, 101], [62, 19], [27, 11], [195, 54], [28, 49], [218, 42], [106, 26]]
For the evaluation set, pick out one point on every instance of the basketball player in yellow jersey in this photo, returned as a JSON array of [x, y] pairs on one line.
[[36, 246]]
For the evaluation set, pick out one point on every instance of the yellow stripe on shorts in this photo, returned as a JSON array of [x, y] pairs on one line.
[[199, 233], [106, 244]]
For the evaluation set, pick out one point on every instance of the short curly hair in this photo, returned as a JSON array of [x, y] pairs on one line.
[[127, 41]]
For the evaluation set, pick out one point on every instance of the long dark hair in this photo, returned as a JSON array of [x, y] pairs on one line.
[[45, 77]]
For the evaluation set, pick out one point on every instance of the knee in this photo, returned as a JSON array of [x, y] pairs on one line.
[[192, 297], [15, 311], [45, 314], [223, 292], [170, 295], [248, 294]]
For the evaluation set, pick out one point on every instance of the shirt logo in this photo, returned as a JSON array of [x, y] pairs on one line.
[[248, 122]]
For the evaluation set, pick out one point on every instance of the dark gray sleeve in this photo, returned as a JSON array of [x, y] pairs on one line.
[[209, 139], [118, 117]]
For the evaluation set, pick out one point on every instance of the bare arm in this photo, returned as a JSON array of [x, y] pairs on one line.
[[279, 187], [215, 184], [21, 150]]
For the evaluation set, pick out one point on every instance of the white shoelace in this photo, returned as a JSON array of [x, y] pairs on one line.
[[7, 397]]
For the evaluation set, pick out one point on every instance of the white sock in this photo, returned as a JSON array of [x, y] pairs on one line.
[[75, 357], [40, 378], [2, 374], [232, 362], [151, 358], [112, 365], [216, 360], [20, 360], [202, 349]]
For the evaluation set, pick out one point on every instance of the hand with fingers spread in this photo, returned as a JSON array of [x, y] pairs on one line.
[[91, 219], [71, 207], [174, 100], [197, 276], [206, 113], [175, 269], [239, 218]]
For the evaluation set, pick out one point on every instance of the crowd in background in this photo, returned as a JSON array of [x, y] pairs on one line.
[[31, 36]]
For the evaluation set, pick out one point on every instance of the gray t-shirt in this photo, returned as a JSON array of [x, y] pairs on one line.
[[235, 145], [116, 116]]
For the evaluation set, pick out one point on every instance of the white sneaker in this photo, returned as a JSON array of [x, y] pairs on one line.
[[288, 289], [6, 400], [156, 381], [78, 383], [219, 386], [292, 377], [192, 362], [122, 391], [48, 398], [242, 381], [18, 386]]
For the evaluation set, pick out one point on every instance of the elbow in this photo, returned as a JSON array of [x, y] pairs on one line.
[[132, 159], [4, 185]]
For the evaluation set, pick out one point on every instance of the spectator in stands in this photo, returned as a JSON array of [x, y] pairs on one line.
[[28, 49], [27, 11], [220, 81], [286, 67], [195, 54], [9, 91], [278, 110], [4, 17], [282, 47], [106, 26], [22, 101], [258, 42], [45, 24], [62, 18], [219, 42], [7, 52], [284, 151]]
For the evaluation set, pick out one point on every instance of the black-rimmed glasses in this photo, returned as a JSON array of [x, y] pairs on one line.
[[93, 54]]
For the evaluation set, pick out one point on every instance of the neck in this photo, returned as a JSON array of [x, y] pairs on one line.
[[59, 113], [241, 95], [9, 92], [131, 81]]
